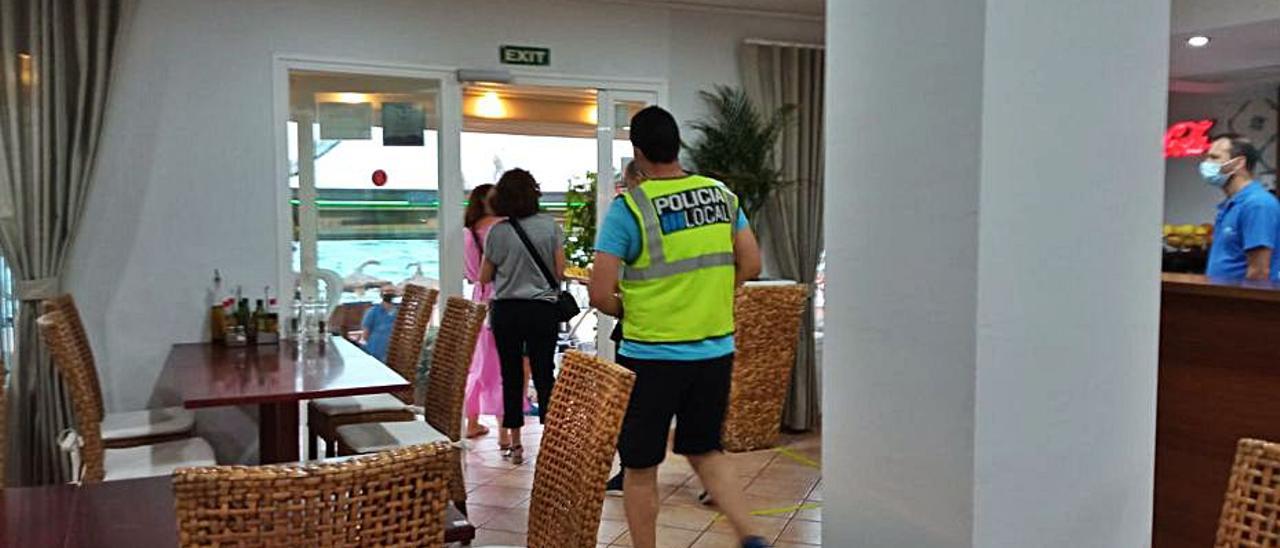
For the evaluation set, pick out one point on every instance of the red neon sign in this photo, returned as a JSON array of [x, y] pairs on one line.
[[1190, 138]]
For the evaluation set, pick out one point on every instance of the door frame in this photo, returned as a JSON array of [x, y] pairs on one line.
[[449, 174], [450, 188]]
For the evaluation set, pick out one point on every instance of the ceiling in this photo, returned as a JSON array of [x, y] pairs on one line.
[[1238, 55], [799, 9], [1245, 50]]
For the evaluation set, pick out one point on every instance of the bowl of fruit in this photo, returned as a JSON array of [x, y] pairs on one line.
[[1188, 237]]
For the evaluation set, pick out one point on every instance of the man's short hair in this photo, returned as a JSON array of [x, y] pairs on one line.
[[1241, 146], [655, 133], [516, 195]]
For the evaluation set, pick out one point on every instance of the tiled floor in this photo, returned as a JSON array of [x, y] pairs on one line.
[[784, 487]]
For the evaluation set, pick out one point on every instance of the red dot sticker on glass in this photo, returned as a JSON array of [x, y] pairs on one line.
[[379, 177]]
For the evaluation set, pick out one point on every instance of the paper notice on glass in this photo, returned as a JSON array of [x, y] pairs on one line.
[[346, 120], [403, 124]]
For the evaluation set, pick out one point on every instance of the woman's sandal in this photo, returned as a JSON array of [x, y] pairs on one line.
[[517, 454]]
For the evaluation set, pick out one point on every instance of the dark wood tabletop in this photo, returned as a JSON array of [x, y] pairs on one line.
[[1199, 284], [213, 375], [137, 512], [276, 378]]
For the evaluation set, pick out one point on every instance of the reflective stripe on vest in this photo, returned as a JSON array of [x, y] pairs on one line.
[[658, 266]]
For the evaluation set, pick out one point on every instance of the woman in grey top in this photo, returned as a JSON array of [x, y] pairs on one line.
[[523, 313]]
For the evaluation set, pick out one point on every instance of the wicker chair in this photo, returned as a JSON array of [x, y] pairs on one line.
[[577, 448], [766, 335], [396, 498], [1251, 508], [446, 388], [130, 428], [325, 416], [97, 462]]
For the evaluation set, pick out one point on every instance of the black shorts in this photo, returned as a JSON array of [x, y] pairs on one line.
[[696, 393]]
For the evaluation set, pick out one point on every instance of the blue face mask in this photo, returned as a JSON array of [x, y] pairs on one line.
[[1212, 174]]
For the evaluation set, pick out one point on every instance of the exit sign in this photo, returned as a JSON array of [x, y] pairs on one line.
[[523, 55]]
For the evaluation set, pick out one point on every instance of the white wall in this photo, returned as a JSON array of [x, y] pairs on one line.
[[902, 276], [1068, 321], [185, 179], [1187, 200], [998, 365]]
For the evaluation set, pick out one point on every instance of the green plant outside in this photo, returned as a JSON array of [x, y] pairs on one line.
[[580, 221], [736, 143]]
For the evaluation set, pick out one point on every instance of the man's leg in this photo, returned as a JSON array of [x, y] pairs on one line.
[[718, 477], [699, 421], [640, 497], [642, 445]]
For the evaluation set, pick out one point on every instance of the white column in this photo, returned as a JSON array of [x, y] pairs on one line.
[[452, 193], [308, 216], [995, 177]]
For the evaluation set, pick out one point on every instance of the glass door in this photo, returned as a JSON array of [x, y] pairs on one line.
[[365, 183], [613, 152]]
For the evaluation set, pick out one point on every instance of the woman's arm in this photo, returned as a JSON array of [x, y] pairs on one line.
[[560, 262], [471, 259], [487, 271]]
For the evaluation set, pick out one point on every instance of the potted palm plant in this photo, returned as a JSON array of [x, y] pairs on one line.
[[735, 145]]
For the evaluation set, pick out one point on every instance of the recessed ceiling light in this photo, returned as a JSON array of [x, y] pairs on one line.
[[1198, 41]]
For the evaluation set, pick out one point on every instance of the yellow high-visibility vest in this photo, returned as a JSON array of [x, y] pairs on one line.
[[681, 287]]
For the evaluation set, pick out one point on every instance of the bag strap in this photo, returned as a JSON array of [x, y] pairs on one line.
[[476, 238], [546, 272]]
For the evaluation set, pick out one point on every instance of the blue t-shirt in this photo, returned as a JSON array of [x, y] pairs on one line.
[[620, 236], [1246, 221], [378, 321]]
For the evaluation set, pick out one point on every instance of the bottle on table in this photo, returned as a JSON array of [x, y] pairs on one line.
[[217, 320], [322, 317], [273, 316], [258, 323], [296, 325], [228, 314]]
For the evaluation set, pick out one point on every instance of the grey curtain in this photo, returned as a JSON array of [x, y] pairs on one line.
[[55, 61], [791, 232]]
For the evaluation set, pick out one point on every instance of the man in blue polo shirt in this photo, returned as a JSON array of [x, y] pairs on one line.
[[1247, 229]]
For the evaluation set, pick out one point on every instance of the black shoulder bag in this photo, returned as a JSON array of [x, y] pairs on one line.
[[566, 306]]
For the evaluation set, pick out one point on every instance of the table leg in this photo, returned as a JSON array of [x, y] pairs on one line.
[[278, 432]]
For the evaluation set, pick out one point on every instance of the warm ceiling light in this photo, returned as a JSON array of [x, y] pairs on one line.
[[490, 105], [354, 98], [591, 114], [1198, 41], [24, 69]]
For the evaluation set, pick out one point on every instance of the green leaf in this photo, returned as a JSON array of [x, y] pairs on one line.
[[736, 144]]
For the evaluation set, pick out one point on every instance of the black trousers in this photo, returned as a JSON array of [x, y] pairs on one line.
[[524, 328]]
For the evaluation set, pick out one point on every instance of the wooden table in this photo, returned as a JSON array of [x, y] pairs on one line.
[[137, 512], [1218, 382], [276, 378]]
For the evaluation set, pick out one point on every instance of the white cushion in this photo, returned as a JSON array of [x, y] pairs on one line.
[[160, 459], [359, 404], [372, 437], [148, 422]]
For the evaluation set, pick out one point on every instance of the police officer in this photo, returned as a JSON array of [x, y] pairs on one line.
[[686, 245]]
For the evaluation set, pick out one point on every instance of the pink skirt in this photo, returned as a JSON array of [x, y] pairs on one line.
[[484, 380]]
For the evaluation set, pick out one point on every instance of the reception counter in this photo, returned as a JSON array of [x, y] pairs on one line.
[[1219, 381]]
